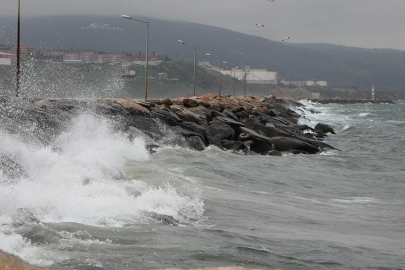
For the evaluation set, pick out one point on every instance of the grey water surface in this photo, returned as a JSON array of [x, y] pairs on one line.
[[95, 200]]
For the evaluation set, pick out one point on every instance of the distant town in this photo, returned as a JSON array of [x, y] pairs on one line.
[[127, 59]]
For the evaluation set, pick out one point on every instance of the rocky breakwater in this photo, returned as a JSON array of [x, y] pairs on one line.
[[264, 125]]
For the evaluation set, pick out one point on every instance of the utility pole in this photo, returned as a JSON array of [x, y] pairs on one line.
[[17, 82], [244, 84]]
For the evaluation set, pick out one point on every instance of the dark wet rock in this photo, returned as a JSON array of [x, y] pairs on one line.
[[270, 130], [203, 112], [242, 114], [193, 127], [164, 219], [230, 114], [323, 128], [236, 145], [218, 131], [292, 144], [167, 116], [204, 104], [188, 116], [150, 144], [234, 124], [216, 114], [196, 143], [167, 102], [184, 133], [261, 144]]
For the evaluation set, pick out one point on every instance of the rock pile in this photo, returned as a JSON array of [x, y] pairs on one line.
[[264, 125]]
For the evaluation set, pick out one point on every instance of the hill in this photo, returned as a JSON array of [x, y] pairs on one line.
[[339, 65]]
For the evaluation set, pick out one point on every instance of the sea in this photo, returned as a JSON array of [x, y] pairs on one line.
[[93, 199]]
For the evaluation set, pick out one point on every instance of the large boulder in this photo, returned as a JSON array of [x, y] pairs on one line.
[[230, 114], [261, 144], [134, 132], [189, 116], [234, 124], [193, 127], [218, 131], [196, 143], [270, 130], [292, 144], [323, 128], [132, 106], [166, 115]]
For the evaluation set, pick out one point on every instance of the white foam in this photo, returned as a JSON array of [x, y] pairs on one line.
[[359, 201], [16, 244], [81, 179]]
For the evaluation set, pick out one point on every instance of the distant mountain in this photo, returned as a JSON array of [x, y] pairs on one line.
[[339, 65]]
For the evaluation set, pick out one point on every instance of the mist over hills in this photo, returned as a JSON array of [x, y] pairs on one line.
[[339, 65]]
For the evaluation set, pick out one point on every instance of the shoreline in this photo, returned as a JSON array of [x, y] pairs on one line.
[[352, 101]]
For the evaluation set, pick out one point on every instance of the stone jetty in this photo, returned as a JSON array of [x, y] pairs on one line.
[[264, 125]]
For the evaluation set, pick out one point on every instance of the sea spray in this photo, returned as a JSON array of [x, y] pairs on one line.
[[80, 177]]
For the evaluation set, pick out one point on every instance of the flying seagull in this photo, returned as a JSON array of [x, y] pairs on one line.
[[271, 0], [259, 25], [286, 38]]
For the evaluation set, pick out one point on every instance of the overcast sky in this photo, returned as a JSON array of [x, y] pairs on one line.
[[360, 23]]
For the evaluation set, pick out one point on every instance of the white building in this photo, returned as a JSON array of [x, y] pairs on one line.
[[252, 76]]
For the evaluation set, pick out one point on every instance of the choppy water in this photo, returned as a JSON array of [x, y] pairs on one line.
[[95, 200]]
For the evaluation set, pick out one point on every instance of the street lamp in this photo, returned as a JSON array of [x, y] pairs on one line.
[[17, 82], [234, 79], [147, 51], [195, 50], [219, 58]]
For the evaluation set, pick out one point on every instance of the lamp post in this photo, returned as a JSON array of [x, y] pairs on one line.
[[195, 52], [147, 51], [234, 79], [17, 82], [219, 58]]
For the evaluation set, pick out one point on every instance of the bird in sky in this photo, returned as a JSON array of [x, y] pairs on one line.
[[271, 0], [259, 25], [285, 39]]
